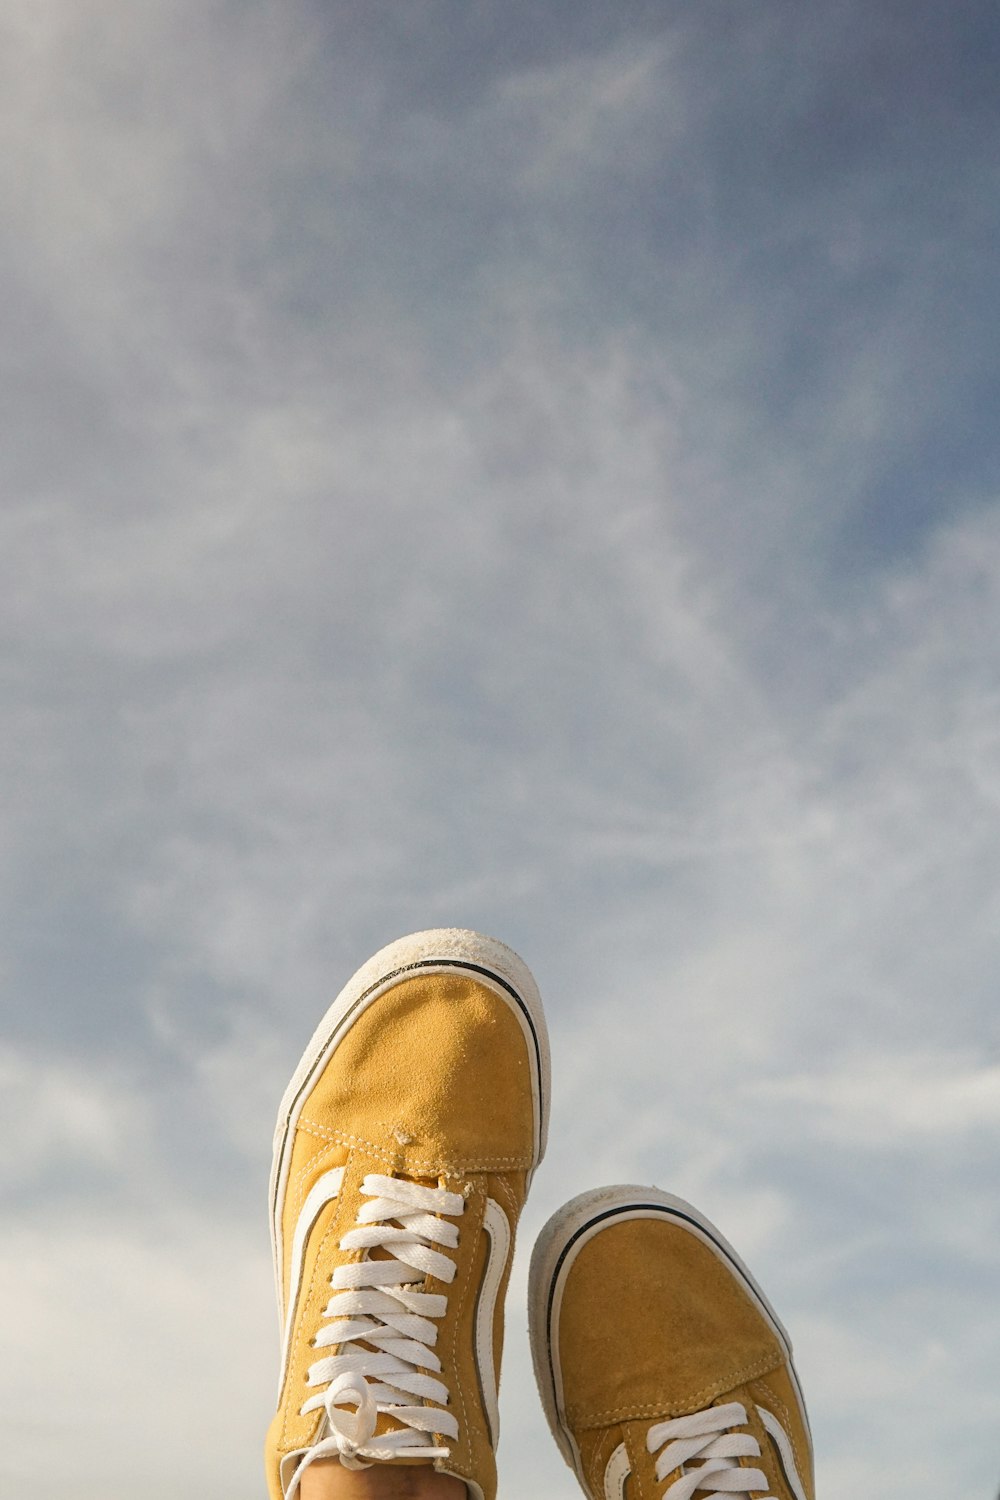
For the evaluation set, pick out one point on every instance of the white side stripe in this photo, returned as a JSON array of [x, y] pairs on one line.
[[498, 1229], [616, 1474], [783, 1443], [324, 1191]]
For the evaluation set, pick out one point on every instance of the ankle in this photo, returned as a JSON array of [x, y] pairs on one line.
[[327, 1479]]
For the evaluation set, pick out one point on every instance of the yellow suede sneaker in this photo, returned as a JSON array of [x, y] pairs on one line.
[[663, 1369], [403, 1153]]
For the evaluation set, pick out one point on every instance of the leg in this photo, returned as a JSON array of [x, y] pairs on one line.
[[327, 1479]]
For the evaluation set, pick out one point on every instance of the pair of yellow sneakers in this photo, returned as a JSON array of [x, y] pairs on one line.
[[403, 1154]]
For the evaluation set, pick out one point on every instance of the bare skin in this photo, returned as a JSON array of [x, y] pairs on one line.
[[327, 1479]]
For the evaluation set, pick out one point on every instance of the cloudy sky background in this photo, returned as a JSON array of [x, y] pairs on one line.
[[526, 467]]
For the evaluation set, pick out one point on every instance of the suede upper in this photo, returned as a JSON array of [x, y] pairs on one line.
[[433, 1083], [690, 1331], [440, 1059]]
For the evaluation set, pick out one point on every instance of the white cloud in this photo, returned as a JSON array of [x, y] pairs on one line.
[[883, 1101], [56, 1113], [584, 115], [149, 1347], [887, 1391]]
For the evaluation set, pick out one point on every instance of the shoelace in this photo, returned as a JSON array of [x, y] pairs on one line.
[[385, 1331], [706, 1438]]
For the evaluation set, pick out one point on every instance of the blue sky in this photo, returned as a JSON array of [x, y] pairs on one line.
[[526, 468]]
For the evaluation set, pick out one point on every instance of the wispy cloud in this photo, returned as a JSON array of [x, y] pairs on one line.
[[501, 474], [159, 1328], [60, 1118], [882, 1102]]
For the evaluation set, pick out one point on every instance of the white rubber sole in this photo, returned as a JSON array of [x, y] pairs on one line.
[[443, 949], [557, 1246]]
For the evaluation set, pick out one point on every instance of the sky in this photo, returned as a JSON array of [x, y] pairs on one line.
[[532, 468]]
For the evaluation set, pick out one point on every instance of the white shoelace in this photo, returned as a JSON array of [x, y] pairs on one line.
[[385, 1332], [706, 1439]]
